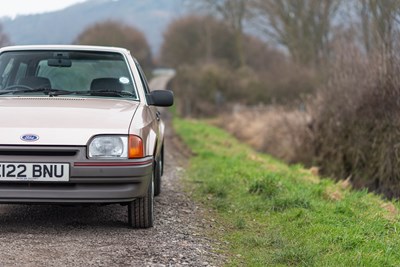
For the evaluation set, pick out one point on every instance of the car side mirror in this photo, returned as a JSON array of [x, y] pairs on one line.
[[160, 98]]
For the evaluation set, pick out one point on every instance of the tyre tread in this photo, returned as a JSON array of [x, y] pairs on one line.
[[139, 212]]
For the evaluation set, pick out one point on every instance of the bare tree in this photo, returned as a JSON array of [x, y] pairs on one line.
[[234, 13], [302, 26], [113, 33], [197, 40], [378, 24]]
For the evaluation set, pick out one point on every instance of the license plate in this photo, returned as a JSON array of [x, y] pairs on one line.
[[41, 172]]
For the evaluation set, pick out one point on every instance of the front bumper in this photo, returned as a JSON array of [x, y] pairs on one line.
[[90, 181]]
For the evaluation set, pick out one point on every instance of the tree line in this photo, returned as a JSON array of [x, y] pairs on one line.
[[307, 28]]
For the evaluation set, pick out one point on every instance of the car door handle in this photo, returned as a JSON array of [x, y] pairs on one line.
[[158, 115]]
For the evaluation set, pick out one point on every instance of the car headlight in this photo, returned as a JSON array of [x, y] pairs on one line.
[[109, 147], [115, 147]]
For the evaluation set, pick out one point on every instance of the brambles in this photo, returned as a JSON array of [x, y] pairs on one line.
[[356, 124]]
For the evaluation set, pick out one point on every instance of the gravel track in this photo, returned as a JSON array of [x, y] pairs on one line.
[[45, 235]]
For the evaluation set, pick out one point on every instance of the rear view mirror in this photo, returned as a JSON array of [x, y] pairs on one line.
[[59, 62], [60, 59], [160, 98]]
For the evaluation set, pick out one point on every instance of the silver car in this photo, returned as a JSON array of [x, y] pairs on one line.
[[79, 125]]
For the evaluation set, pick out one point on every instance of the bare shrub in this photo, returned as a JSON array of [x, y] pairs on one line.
[[356, 119], [275, 130], [288, 83], [199, 89], [205, 90], [209, 89]]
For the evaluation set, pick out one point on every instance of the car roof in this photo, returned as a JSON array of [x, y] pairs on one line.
[[66, 47]]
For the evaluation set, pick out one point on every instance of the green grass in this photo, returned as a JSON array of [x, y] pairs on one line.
[[271, 214]]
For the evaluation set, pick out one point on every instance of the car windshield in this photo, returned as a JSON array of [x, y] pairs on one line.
[[91, 74]]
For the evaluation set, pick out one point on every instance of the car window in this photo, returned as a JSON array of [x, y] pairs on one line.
[[72, 71], [143, 79]]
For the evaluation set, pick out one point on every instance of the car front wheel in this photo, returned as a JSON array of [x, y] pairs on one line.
[[141, 210]]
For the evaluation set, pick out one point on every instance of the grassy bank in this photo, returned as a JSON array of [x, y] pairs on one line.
[[272, 214]]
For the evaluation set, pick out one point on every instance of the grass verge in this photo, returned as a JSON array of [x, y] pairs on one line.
[[272, 214]]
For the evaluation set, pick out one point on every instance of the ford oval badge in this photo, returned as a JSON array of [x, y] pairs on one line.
[[29, 137]]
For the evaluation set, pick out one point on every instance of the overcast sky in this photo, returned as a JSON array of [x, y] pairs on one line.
[[11, 8]]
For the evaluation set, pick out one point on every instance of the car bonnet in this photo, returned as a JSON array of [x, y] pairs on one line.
[[62, 120]]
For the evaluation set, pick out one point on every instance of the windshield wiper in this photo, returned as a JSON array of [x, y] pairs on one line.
[[24, 89], [57, 92], [97, 93], [106, 92]]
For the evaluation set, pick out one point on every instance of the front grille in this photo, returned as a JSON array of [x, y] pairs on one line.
[[46, 153]]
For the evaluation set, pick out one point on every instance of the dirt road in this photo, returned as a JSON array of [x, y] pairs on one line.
[[48, 235]]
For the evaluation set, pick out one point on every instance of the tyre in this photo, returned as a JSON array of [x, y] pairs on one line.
[[159, 169], [141, 210]]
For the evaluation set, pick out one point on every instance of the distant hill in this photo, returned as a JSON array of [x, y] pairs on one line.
[[62, 27]]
